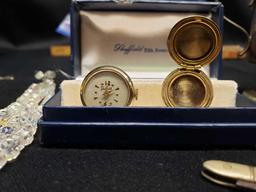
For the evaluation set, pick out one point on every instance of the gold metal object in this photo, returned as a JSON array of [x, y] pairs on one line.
[[187, 88], [107, 86], [230, 174], [193, 42]]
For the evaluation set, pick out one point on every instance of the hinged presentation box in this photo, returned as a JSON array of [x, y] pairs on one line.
[[138, 46]]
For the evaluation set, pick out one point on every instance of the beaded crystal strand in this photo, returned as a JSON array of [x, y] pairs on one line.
[[18, 121]]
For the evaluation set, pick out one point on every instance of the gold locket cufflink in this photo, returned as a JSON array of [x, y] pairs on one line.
[[193, 43], [107, 86]]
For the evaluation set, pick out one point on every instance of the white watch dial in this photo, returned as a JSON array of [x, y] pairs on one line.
[[106, 88]]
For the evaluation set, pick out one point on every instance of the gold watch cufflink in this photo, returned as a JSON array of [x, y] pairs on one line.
[[107, 86], [193, 43], [230, 174]]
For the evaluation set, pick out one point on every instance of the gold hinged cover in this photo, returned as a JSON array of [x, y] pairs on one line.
[[194, 42]]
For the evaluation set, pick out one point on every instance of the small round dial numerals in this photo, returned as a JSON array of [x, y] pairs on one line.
[[106, 86], [106, 94]]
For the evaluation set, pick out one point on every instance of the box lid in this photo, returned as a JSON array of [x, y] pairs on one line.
[[150, 61]]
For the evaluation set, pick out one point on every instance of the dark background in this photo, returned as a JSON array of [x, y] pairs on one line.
[[31, 24], [27, 31]]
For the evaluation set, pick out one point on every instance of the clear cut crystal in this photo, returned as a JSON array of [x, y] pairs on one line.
[[9, 148], [18, 121], [3, 160], [6, 130]]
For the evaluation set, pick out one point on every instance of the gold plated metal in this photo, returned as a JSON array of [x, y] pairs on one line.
[[107, 86], [230, 174], [187, 88], [193, 42]]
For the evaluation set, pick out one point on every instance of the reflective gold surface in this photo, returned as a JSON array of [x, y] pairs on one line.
[[194, 42], [187, 91], [230, 174], [187, 88]]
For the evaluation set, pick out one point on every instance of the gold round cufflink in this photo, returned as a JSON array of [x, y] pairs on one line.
[[187, 88], [193, 43], [107, 86]]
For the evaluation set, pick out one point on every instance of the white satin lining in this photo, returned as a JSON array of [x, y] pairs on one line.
[[132, 41]]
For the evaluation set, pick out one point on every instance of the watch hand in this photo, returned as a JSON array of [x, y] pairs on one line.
[[107, 94]]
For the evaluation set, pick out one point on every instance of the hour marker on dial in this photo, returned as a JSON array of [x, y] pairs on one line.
[[107, 86]]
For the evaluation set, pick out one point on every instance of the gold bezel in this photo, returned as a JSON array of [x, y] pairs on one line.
[[111, 69], [206, 23], [169, 80]]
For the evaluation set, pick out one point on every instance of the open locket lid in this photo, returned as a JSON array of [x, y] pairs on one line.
[[194, 42]]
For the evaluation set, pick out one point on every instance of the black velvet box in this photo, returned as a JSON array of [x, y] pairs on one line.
[[145, 126]]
